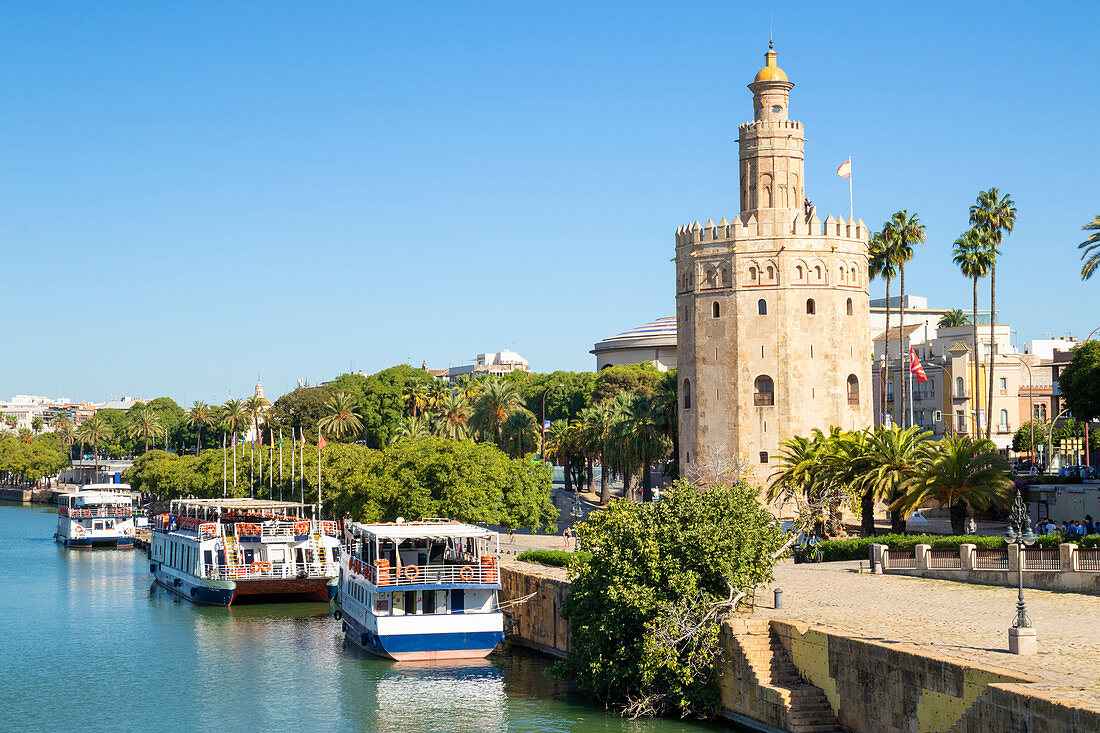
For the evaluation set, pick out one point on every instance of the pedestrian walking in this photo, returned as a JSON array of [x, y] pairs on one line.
[[566, 535], [971, 526]]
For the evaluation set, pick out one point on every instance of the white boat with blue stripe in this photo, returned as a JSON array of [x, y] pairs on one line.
[[99, 515], [424, 590]]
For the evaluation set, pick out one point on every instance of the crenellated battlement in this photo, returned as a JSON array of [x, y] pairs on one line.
[[756, 125], [802, 225]]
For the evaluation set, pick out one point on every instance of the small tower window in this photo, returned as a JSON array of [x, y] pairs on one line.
[[765, 391], [752, 274], [849, 306], [960, 389], [762, 307], [771, 272], [687, 394], [798, 272], [715, 309], [811, 307], [763, 456], [853, 389], [817, 272]]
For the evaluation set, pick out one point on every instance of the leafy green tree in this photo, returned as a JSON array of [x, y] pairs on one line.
[[379, 399], [959, 471], [564, 402], [143, 423], [645, 611], [904, 231], [974, 259], [953, 318], [995, 215], [171, 418], [300, 410], [341, 419], [636, 379], [1022, 439], [1079, 382], [1091, 247]]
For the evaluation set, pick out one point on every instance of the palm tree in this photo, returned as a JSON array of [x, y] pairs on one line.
[[597, 423], [199, 417], [410, 427], [563, 444], [25, 435], [995, 215], [437, 392], [11, 421], [94, 430], [256, 406], [234, 413], [498, 398], [893, 459], [415, 397], [453, 419], [341, 418], [880, 263], [972, 256], [903, 231], [1091, 247], [648, 437], [37, 423], [63, 428], [953, 318], [959, 471], [520, 433], [143, 423]]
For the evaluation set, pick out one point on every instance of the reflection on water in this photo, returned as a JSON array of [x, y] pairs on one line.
[[95, 645]]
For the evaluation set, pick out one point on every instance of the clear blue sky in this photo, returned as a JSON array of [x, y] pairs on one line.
[[194, 194]]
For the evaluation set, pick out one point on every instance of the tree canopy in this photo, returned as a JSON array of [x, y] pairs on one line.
[[1079, 382]]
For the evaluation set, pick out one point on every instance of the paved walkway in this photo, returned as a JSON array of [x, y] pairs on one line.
[[968, 622]]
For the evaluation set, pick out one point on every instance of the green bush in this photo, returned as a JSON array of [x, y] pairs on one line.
[[860, 549], [556, 558]]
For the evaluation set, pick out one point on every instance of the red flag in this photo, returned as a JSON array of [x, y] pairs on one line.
[[321, 441], [916, 368]]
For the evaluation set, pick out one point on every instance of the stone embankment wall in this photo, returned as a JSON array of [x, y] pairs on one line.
[[536, 622]]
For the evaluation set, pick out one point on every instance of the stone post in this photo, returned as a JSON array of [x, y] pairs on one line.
[[966, 556], [921, 552], [1067, 556], [1014, 558], [878, 558]]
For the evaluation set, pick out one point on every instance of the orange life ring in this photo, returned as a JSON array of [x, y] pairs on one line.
[[265, 566], [466, 573], [254, 567], [411, 572]]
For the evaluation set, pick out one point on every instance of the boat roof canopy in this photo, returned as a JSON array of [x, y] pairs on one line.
[[240, 504], [429, 529]]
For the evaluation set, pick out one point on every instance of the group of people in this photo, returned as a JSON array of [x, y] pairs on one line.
[[1069, 529]]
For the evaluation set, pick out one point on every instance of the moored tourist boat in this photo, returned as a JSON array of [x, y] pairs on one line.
[[99, 515], [423, 590], [223, 551]]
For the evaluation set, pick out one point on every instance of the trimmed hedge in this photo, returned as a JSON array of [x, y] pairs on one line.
[[555, 558], [860, 549]]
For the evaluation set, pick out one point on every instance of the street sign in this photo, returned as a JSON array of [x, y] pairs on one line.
[[545, 424]]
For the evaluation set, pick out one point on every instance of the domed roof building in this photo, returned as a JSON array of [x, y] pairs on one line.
[[654, 342]]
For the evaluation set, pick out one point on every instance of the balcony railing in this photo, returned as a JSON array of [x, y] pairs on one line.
[[763, 398], [96, 511], [263, 570], [473, 573]]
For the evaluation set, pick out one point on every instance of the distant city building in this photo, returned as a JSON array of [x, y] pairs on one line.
[[496, 363], [654, 343], [917, 313], [1045, 348]]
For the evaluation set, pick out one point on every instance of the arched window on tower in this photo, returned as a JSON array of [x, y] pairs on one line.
[[765, 391], [811, 307], [798, 272], [687, 394], [752, 274], [1002, 423], [762, 307], [715, 309], [960, 387], [853, 389], [817, 272], [849, 306], [767, 197], [771, 272]]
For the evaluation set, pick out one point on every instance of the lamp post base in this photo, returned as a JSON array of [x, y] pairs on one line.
[[1022, 641]]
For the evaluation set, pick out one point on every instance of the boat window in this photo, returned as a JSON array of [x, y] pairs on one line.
[[428, 604], [410, 602], [208, 557], [382, 604]]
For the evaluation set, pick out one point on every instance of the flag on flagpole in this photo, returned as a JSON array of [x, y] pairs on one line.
[[845, 169], [916, 368], [321, 442]]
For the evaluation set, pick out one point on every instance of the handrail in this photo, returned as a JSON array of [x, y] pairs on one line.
[[385, 575], [99, 511], [274, 571]]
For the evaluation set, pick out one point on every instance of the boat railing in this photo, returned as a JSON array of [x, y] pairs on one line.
[[483, 572], [96, 511], [285, 530], [264, 570]]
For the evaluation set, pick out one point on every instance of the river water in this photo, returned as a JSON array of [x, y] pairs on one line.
[[88, 642]]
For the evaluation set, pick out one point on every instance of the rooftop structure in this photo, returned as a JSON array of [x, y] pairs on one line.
[[653, 343]]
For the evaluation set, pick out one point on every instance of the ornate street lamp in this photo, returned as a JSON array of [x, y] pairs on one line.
[[1021, 637]]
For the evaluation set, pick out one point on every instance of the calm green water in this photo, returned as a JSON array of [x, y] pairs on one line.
[[88, 642]]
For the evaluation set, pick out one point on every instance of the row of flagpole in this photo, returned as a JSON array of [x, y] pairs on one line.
[[295, 438]]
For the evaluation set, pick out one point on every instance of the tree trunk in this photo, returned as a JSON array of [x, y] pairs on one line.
[[867, 513], [626, 486], [568, 473], [958, 517], [992, 320], [647, 483], [605, 483], [591, 475], [887, 408], [897, 524], [970, 397], [903, 353]]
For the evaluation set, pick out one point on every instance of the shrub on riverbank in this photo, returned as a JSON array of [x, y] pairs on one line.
[[644, 610], [859, 549], [30, 460], [555, 558], [433, 477]]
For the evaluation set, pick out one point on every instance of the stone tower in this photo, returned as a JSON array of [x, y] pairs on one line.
[[772, 308]]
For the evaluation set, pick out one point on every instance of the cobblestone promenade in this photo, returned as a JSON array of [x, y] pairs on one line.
[[967, 622]]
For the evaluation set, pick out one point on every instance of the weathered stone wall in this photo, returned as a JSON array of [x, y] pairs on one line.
[[536, 622]]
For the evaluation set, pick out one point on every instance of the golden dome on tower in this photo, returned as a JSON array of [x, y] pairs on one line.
[[771, 70]]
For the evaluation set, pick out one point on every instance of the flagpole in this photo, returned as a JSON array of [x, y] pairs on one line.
[[225, 466], [910, 387], [261, 461], [293, 445], [270, 464], [302, 465], [234, 462], [280, 464], [851, 206], [252, 468], [318, 472]]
